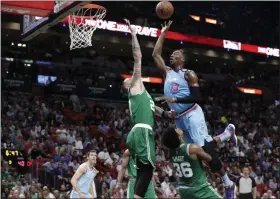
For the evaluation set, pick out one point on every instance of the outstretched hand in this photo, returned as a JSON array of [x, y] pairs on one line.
[[165, 27], [131, 28], [165, 99]]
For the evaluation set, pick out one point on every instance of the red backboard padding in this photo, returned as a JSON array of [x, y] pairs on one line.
[[34, 8]]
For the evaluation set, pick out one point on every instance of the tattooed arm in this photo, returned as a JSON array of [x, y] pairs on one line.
[[137, 56], [136, 81], [162, 113]]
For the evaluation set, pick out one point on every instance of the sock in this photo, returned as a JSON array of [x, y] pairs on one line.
[[224, 136], [226, 180]]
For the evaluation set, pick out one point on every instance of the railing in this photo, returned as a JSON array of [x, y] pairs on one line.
[[38, 172], [43, 177]]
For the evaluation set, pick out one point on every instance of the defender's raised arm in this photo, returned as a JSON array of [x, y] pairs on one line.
[[137, 55]]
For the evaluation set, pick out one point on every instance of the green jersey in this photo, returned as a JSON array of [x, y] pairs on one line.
[[142, 108], [190, 172], [131, 168]]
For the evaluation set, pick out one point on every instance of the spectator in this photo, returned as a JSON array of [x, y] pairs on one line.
[[58, 117], [8, 144], [79, 144], [38, 128], [56, 194], [76, 103], [35, 151], [259, 180], [59, 170], [269, 195], [47, 194], [272, 184], [33, 192], [105, 190], [170, 192], [160, 156], [62, 133], [165, 184], [50, 166], [103, 128], [71, 138], [74, 164]]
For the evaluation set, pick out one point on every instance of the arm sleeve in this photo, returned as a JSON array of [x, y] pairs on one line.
[[195, 96]]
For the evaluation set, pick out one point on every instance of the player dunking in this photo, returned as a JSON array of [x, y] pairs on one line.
[[83, 179], [141, 139], [181, 90], [186, 159], [129, 164]]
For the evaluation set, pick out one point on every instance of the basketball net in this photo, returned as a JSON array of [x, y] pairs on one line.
[[81, 31]]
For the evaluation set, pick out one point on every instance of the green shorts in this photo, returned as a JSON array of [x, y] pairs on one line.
[[141, 145], [150, 193], [202, 192]]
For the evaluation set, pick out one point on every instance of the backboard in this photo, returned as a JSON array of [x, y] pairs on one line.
[[39, 16]]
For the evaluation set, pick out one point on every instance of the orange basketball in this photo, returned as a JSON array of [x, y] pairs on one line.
[[164, 9]]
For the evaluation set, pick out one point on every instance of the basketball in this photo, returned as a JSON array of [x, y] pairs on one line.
[[164, 9]]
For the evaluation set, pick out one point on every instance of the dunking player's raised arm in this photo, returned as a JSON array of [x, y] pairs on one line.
[[158, 50], [125, 160], [136, 81], [194, 97]]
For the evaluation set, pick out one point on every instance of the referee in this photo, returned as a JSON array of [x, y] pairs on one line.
[[246, 186]]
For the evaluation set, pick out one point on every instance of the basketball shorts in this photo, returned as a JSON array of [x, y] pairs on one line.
[[75, 195], [202, 192], [192, 123], [141, 144], [150, 193]]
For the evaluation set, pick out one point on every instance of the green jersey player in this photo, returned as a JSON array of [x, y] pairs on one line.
[[141, 139], [128, 164], [186, 159]]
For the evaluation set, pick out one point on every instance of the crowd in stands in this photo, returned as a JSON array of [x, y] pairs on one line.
[[56, 138]]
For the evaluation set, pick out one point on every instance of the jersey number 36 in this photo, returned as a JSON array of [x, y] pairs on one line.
[[183, 169]]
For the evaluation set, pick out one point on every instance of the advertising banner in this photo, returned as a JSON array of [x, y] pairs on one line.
[[155, 32], [64, 88], [22, 85]]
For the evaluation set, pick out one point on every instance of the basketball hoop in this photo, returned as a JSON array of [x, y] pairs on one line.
[[83, 23]]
